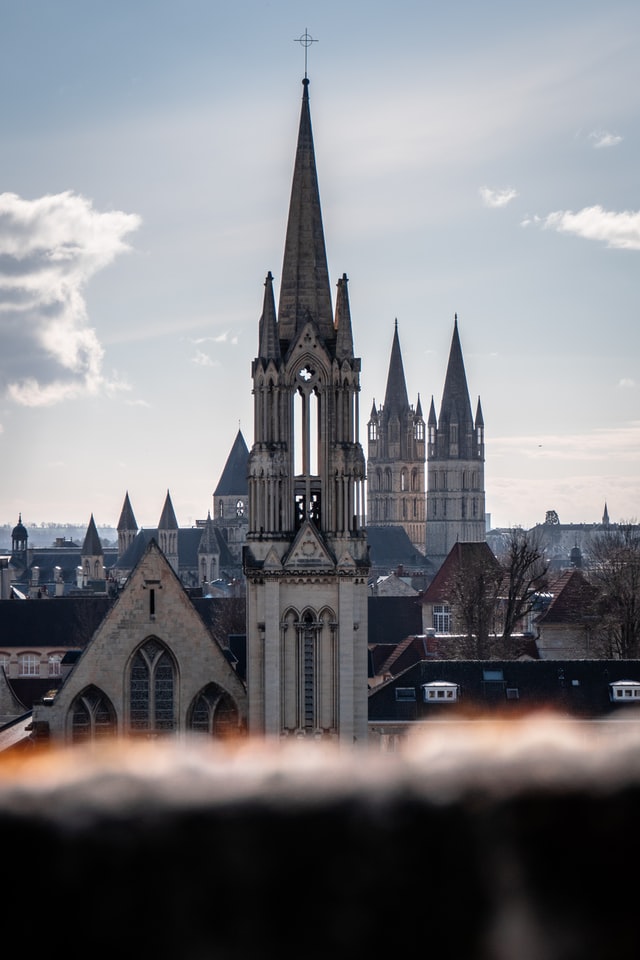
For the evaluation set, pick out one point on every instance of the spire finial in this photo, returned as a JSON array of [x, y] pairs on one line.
[[305, 41]]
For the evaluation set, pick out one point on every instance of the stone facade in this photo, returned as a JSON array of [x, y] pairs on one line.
[[151, 668]]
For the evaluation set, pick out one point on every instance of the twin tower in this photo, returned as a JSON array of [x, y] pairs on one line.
[[306, 558]]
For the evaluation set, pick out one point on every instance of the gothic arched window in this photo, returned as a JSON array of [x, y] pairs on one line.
[[92, 716], [151, 689], [213, 712]]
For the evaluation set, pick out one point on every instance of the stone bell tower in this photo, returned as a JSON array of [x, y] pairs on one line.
[[306, 555]]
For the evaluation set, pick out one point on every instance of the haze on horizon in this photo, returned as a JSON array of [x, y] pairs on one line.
[[478, 160]]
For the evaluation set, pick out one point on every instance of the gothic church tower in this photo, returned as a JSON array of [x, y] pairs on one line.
[[455, 456], [306, 557], [396, 457]]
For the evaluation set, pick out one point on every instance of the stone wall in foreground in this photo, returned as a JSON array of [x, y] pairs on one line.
[[489, 843]]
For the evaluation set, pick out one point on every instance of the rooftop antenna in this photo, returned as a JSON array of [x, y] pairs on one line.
[[305, 41]]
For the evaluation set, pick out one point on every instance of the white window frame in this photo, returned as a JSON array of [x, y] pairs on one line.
[[440, 691], [441, 617], [29, 665]]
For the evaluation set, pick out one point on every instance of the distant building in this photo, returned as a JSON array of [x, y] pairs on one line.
[[455, 464]]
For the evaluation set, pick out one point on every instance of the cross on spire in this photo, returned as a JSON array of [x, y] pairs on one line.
[[305, 41]]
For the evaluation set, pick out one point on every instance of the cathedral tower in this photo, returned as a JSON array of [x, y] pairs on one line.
[[455, 456], [306, 556], [396, 457]]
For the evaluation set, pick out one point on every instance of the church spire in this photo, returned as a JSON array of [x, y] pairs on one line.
[[456, 405], [396, 399], [305, 291], [269, 347], [344, 333]]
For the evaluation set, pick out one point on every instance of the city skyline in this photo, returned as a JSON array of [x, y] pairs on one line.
[[472, 161]]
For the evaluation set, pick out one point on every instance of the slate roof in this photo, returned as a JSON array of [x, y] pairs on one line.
[[234, 476], [392, 619], [59, 622], [92, 546], [188, 542], [571, 688], [390, 547]]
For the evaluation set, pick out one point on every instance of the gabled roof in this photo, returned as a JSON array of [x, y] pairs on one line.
[[234, 476], [465, 552], [573, 599]]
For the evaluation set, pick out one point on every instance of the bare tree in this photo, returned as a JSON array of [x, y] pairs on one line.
[[473, 592], [524, 576], [615, 568]]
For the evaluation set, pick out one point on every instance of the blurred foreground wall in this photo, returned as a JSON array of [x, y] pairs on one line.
[[518, 842]]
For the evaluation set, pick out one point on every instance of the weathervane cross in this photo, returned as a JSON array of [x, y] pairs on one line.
[[305, 41]]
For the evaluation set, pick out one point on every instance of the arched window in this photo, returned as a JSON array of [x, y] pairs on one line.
[[151, 690], [92, 716], [214, 713]]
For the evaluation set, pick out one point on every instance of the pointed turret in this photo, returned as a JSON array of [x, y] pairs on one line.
[[233, 480], [168, 519], [92, 545], [168, 533], [305, 291], [418, 407], [269, 347], [605, 516], [127, 526], [456, 405], [396, 398], [92, 556], [344, 333]]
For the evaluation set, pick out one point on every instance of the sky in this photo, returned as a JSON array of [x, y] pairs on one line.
[[473, 159]]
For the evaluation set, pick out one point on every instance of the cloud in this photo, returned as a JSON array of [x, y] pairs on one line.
[[602, 138], [49, 250], [220, 338], [618, 230], [627, 383], [497, 198], [202, 359]]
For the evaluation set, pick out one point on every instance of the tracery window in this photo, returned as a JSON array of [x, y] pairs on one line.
[[214, 713], [92, 716], [151, 689]]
